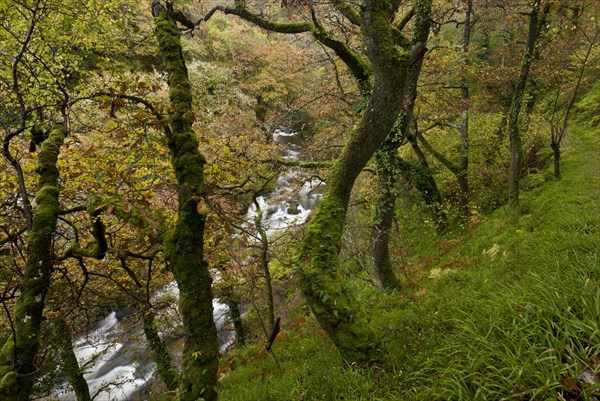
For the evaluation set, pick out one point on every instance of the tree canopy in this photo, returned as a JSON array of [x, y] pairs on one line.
[[142, 147]]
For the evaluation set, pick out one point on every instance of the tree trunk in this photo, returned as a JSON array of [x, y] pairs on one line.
[[161, 356], [232, 303], [264, 264], [334, 306], [184, 244], [167, 372], [463, 163], [70, 366], [516, 142], [425, 183], [17, 357], [260, 111], [556, 156], [387, 165]]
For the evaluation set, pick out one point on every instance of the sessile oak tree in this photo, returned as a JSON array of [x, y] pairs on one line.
[[381, 75]]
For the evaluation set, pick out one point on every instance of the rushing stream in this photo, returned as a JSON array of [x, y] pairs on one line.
[[115, 356]]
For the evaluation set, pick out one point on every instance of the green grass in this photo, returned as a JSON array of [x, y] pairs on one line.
[[518, 322]]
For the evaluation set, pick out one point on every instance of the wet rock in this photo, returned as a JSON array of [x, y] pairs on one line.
[[293, 209]]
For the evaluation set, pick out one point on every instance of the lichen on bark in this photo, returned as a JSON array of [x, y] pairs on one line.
[[17, 357], [184, 243]]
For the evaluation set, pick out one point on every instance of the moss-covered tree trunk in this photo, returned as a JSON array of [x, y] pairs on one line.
[[167, 372], [64, 344], [387, 166], [425, 183], [184, 245], [514, 135], [17, 357], [233, 303], [334, 306]]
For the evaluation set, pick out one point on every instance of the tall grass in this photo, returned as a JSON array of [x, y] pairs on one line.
[[519, 321]]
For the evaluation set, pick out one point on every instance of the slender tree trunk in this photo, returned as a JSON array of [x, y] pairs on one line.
[[463, 163], [167, 372], [387, 165], [161, 356], [558, 129], [17, 357], [260, 111], [335, 308], [70, 366], [425, 183], [516, 141], [233, 304], [184, 244], [264, 264], [556, 157]]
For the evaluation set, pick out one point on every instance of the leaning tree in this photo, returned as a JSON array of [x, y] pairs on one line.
[[379, 63]]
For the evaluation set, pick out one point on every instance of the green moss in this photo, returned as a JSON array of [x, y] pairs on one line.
[[334, 306], [184, 243], [167, 372], [9, 380], [18, 378], [70, 366]]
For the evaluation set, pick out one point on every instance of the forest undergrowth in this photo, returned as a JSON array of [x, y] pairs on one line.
[[508, 309]]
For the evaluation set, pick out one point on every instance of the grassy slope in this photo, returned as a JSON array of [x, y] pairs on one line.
[[520, 321]]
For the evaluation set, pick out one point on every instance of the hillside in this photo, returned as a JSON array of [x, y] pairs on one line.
[[508, 310]]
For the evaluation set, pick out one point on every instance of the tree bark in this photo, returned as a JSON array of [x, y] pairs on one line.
[[463, 176], [387, 166], [184, 244], [70, 366], [232, 303], [264, 263], [514, 135], [17, 357], [556, 157], [167, 372], [425, 183], [336, 309]]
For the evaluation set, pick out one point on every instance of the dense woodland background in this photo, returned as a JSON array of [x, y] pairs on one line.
[[454, 255]]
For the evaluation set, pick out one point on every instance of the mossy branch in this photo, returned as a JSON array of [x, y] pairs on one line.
[[405, 19], [360, 69], [96, 249], [452, 167], [348, 11], [136, 99], [299, 163], [265, 23], [63, 341], [400, 39], [357, 65]]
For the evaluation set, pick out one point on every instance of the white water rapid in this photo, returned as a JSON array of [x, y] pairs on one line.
[[293, 198], [115, 356]]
